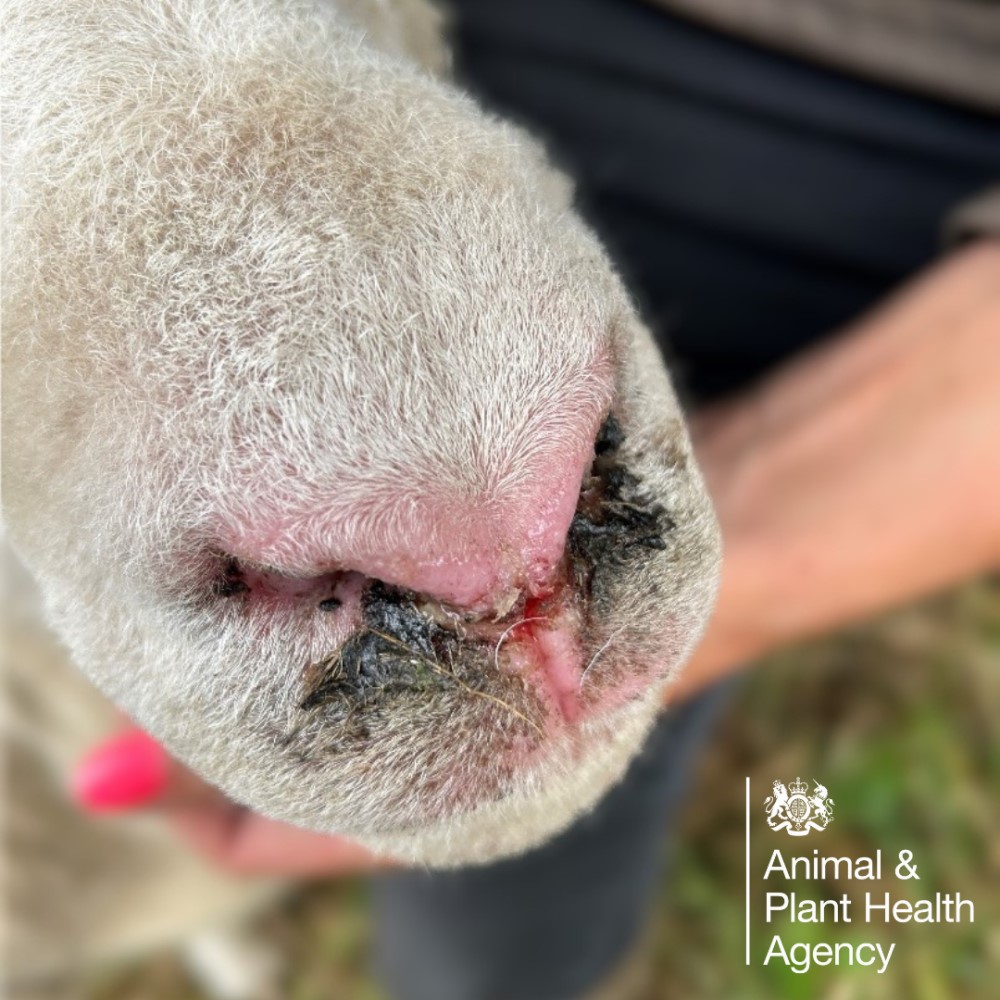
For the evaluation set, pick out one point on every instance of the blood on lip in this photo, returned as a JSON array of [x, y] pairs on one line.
[[539, 605], [535, 616], [544, 645]]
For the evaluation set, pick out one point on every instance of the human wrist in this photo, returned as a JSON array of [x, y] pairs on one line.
[[859, 476]]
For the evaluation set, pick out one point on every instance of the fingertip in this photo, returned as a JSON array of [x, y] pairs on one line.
[[126, 772]]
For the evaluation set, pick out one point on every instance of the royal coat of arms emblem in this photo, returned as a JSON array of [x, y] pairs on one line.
[[797, 810]]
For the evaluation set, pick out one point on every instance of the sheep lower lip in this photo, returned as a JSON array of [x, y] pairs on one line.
[[542, 644], [549, 653]]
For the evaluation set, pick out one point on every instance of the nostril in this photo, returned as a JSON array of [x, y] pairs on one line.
[[236, 578], [228, 580], [610, 437], [230, 586]]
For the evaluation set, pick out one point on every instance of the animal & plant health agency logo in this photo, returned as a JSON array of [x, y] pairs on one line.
[[809, 923], [797, 810]]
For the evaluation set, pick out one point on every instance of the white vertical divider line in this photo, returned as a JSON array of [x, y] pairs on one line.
[[747, 916]]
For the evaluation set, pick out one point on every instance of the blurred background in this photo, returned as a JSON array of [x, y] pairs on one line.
[[899, 719]]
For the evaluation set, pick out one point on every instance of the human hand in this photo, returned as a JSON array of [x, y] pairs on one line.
[[863, 474], [131, 772]]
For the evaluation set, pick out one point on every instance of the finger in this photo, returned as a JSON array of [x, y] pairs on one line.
[[245, 843], [132, 771]]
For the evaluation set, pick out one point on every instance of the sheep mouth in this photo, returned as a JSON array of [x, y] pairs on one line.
[[539, 652], [541, 646]]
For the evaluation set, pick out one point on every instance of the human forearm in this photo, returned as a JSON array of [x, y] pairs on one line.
[[862, 475]]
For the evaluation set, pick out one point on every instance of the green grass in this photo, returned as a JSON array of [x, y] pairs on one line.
[[899, 719]]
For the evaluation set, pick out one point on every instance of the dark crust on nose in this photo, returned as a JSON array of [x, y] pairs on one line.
[[610, 437], [398, 649], [616, 520]]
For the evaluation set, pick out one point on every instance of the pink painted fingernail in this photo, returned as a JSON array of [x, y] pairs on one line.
[[126, 772]]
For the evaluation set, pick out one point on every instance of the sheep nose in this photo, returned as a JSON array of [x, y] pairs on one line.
[[476, 556]]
